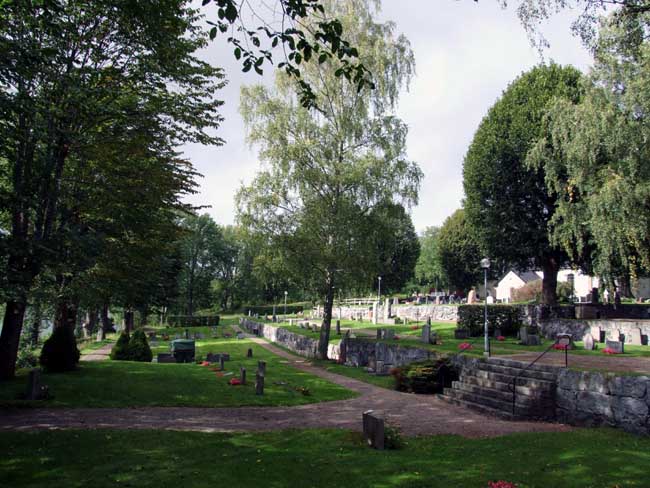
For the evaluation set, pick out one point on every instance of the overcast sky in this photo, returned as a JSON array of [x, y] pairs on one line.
[[466, 54]]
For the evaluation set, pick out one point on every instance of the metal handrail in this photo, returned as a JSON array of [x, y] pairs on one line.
[[514, 380]]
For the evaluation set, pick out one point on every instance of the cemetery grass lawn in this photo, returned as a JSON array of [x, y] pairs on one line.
[[318, 458], [360, 374], [130, 384]]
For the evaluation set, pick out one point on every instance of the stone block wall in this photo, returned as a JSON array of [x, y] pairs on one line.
[[363, 353], [594, 399], [446, 313], [579, 327]]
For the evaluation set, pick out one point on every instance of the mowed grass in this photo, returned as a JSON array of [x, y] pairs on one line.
[[131, 384], [597, 458]]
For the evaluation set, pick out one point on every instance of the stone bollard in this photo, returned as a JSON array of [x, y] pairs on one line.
[[221, 362], [259, 384], [249, 353], [34, 385], [261, 367], [242, 375], [373, 429], [338, 327]]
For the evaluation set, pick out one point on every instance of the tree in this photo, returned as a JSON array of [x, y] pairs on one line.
[[329, 167], [429, 269], [69, 78], [459, 252], [507, 202], [596, 155]]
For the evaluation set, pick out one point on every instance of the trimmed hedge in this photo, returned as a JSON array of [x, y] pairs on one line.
[[292, 308], [425, 376], [60, 352], [504, 317]]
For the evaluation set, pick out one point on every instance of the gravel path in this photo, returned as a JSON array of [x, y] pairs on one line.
[[100, 354], [414, 414]]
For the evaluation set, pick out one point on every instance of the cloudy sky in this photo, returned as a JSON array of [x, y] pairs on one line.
[[466, 54]]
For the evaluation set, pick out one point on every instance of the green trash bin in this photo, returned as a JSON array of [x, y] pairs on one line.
[[183, 350]]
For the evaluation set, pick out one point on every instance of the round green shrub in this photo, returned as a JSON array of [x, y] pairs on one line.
[[60, 352], [139, 349], [120, 351]]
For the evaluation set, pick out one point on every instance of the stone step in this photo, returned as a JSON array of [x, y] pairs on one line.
[[506, 378], [515, 371], [544, 390], [522, 364], [534, 400], [484, 409], [521, 409]]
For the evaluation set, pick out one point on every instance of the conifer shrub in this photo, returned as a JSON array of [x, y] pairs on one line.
[[120, 351], [60, 352], [139, 349]]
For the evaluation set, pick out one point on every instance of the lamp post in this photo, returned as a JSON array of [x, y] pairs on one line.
[[379, 292], [285, 303], [485, 264]]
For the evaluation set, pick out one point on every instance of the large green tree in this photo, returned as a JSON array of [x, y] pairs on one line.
[[71, 77], [328, 168], [596, 156], [459, 252], [507, 201], [428, 269]]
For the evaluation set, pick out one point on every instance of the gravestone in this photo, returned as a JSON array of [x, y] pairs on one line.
[[187, 333], [35, 391], [633, 337], [380, 334], [426, 333], [461, 334], [222, 366], [615, 346], [261, 367], [588, 342], [249, 353], [242, 375], [259, 384], [433, 339], [166, 358], [614, 335], [373, 429], [523, 335], [290, 322], [596, 333], [532, 340], [395, 301], [240, 335], [101, 334], [338, 327], [429, 321], [389, 334], [497, 332]]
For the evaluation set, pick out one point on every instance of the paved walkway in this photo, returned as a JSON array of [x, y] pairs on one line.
[[100, 354], [414, 414]]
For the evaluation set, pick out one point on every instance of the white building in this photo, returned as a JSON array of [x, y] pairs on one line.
[[514, 280]]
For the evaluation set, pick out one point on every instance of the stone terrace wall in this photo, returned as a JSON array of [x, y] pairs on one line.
[[363, 353], [579, 327], [447, 313], [297, 343], [592, 399]]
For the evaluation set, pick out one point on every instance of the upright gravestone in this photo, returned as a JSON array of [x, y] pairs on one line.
[[34, 388], [187, 333], [242, 375], [380, 334], [615, 346], [596, 333], [426, 334], [249, 353], [588, 342], [615, 335], [338, 327], [101, 334], [261, 367], [259, 384], [375, 313], [429, 321], [633, 337], [389, 334], [373, 429], [222, 366], [523, 335], [497, 332]]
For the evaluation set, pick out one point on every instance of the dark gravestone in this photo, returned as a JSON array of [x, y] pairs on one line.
[[426, 334], [242, 375], [373, 429], [213, 358], [532, 340], [429, 321], [187, 333], [380, 334], [461, 334], [389, 334], [497, 332], [259, 384], [222, 366], [615, 346], [166, 358], [34, 387], [523, 335], [338, 327], [261, 367], [249, 353]]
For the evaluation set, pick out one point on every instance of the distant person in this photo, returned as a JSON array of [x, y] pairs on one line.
[[471, 297], [606, 296]]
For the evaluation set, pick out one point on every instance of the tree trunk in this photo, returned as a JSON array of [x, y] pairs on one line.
[[66, 313], [624, 286], [550, 267], [10, 337], [92, 320], [128, 321], [324, 339], [106, 323]]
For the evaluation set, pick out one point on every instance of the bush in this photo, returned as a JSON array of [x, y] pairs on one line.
[[504, 317], [27, 357], [120, 351], [138, 348], [530, 292], [425, 376], [60, 352]]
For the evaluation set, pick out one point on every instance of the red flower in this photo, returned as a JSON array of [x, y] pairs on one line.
[[464, 346], [609, 350], [205, 363], [397, 338], [235, 381], [501, 484], [561, 347], [501, 338], [415, 327]]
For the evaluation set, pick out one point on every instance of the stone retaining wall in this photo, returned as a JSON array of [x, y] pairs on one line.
[[297, 343], [363, 353], [447, 313], [631, 329], [593, 399]]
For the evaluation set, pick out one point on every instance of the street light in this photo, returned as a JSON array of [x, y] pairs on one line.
[[285, 303], [485, 264], [379, 293]]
